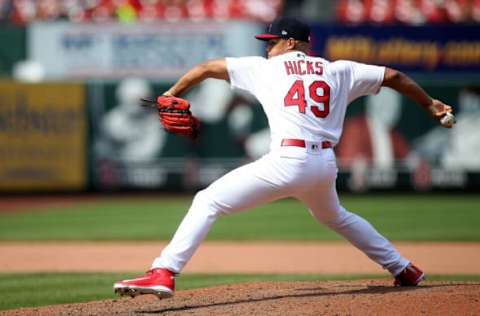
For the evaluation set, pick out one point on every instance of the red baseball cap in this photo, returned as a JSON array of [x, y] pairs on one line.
[[286, 27]]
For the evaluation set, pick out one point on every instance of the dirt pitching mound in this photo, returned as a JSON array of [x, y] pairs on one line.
[[365, 297]]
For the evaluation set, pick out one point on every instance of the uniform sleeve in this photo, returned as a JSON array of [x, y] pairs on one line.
[[362, 79], [244, 71]]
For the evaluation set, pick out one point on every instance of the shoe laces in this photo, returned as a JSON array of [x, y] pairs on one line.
[[151, 272]]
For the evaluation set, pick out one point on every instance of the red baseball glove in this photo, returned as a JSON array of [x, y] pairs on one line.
[[175, 115]]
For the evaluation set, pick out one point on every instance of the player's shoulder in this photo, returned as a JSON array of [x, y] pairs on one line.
[[246, 62], [321, 59], [247, 59], [341, 66]]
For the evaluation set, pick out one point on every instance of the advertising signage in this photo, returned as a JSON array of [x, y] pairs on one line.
[[452, 48]]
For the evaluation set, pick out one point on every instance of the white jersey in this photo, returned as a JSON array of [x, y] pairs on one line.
[[304, 97]]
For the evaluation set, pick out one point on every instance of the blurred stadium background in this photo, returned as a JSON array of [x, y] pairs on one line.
[[72, 72]]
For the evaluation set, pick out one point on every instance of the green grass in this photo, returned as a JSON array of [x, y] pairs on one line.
[[420, 217], [38, 289]]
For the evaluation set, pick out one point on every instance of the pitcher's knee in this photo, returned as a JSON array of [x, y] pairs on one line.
[[343, 219], [337, 218], [202, 201]]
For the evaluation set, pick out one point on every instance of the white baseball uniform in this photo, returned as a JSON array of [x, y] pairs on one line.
[[305, 99]]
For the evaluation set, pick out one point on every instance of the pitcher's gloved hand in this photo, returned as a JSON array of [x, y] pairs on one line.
[[175, 115]]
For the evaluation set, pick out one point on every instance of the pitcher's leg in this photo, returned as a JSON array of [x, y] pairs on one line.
[[192, 230], [325, 207], [237, 190]]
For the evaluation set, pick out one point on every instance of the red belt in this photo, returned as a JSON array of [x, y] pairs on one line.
[[301, 143]]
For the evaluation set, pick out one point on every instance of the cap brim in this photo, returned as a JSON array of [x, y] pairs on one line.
[[266, 36]]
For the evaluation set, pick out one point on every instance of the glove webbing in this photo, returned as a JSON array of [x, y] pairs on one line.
[[153, 104], [167, 110]]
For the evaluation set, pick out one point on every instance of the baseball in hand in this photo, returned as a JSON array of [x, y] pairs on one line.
[[448, 120]]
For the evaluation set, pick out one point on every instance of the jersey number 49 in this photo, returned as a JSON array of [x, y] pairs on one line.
[[296, 97]]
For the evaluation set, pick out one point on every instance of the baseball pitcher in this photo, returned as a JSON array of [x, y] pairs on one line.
[[305, 99]]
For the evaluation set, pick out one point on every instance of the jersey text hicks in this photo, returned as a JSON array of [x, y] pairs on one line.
[[303, 67]]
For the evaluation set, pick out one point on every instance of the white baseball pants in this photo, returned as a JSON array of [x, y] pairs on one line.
[[303, 173]]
